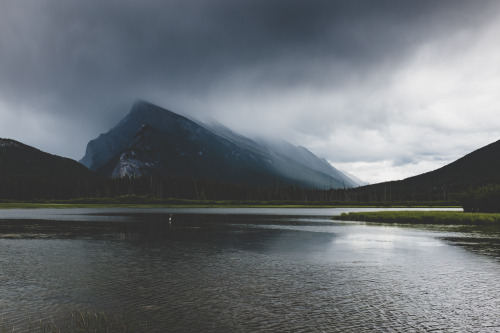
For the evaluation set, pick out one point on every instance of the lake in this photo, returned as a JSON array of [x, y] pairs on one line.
[[246, 269]]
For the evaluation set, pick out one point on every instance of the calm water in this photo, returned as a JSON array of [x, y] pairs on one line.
[[227, 270]]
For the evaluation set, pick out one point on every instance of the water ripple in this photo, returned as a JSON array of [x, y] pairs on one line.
[[238, 277]]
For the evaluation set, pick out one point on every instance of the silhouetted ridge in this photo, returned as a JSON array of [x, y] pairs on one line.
[[28, 173], [20, 160], [478, 168], [481, 165]]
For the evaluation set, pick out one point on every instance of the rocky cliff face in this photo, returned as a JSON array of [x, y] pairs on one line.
[[153, 141]]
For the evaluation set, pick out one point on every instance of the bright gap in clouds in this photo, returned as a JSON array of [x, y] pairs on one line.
[[444, 103]]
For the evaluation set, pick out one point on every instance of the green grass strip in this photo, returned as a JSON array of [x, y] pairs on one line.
[[422, 217]]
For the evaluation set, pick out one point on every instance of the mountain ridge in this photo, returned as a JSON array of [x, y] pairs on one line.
[[189, 148], [482, 163], [27, 173], [477, 168], [19, 159]]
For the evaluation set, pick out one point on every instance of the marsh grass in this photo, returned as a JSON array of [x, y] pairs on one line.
[[76, 321], [422, 217]]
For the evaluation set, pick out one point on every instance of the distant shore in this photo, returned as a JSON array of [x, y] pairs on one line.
[[228, 204]]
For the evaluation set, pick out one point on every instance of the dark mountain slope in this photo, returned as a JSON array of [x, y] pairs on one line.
[[20, 160], [27, 173], [477, 168], [99, 151], [180, 153], [480, 166]]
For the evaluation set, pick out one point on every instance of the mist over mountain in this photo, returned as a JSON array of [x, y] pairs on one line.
[[154, 141], [355, 179]]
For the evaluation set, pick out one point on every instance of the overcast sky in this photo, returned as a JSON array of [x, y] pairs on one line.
[[382, 89]]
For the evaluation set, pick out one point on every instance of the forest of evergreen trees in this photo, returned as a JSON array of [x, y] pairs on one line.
[[202, 189], [485, 199], [25, 189]]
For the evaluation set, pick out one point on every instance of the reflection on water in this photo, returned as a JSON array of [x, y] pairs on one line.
[[228, 271]]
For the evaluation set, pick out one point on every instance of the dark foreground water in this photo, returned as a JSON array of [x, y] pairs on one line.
[[247, 270]]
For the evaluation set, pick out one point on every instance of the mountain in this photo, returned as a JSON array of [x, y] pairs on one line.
[[480, 167], [20, 160], [151, 140], [27, 173]]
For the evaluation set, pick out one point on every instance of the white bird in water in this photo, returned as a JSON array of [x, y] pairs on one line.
[[170, 221]]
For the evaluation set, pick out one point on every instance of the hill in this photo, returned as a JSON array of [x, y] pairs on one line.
[[478, 168], [20, 160], [28, 173]]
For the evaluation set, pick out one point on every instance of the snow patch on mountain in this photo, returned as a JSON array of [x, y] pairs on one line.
[[129, 165]]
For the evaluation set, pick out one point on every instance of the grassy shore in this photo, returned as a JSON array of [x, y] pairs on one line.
[[422, 217]]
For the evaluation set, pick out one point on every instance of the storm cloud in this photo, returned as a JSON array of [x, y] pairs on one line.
[[382, 89]]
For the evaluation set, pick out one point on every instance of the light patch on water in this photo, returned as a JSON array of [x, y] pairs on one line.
[[387, 241]]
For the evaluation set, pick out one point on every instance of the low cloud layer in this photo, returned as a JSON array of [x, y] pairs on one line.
[[382, 89]]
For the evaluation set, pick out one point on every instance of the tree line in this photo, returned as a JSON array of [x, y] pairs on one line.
[[202, 189], [484, 199], [155, 189]]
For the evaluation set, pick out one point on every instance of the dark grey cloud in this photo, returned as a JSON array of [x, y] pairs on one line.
[[74, 47], [319, 66]]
